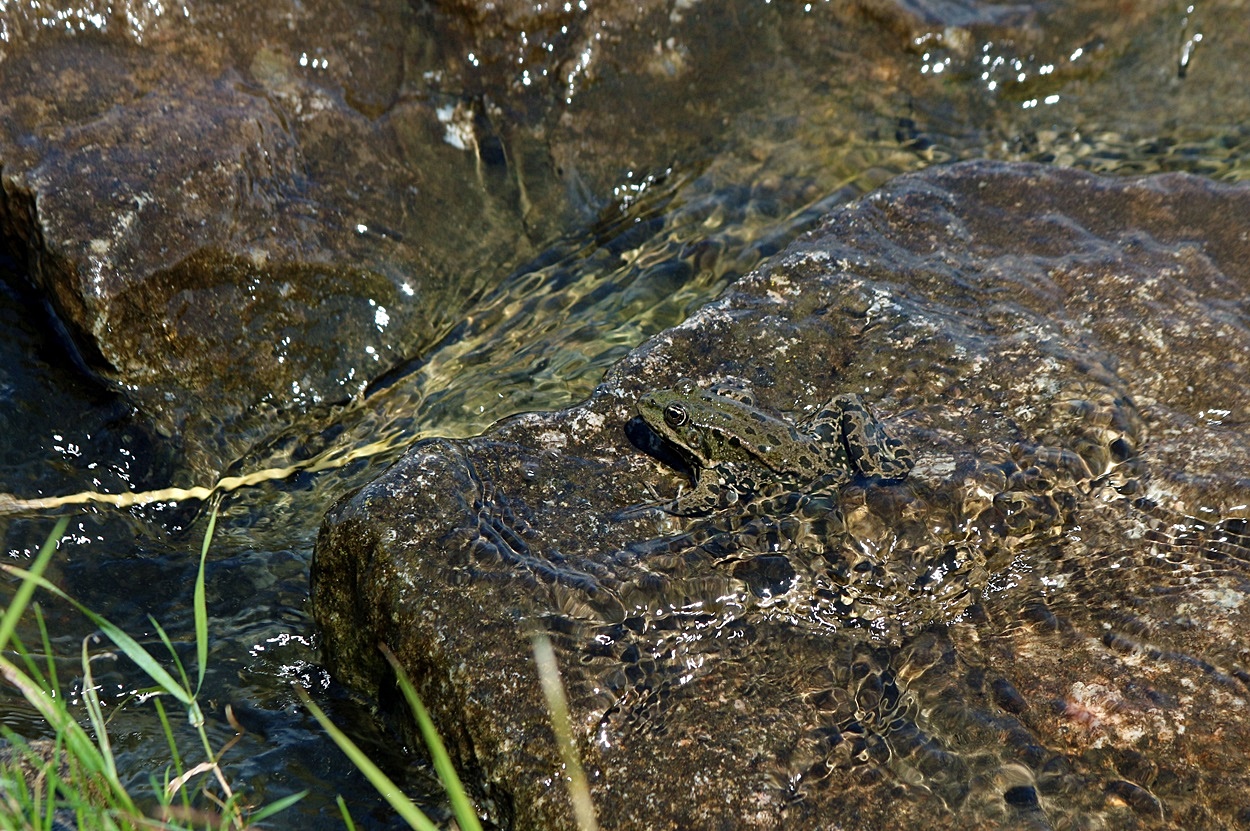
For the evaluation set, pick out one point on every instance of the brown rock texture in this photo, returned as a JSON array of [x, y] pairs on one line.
[[1041, 627]]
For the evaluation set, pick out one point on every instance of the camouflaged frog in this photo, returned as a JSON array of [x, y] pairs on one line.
[[737, 450]]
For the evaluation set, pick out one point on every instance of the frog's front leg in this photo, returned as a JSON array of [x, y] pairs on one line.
[[869, 448], [711, 492]]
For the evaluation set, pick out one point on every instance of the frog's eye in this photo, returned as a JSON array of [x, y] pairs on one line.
[[675, 415]]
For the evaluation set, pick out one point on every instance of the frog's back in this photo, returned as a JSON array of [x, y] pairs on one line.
[[753, 436]]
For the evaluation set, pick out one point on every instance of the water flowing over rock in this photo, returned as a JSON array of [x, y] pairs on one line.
[[235, 211], [1042, 626], [241, 213]]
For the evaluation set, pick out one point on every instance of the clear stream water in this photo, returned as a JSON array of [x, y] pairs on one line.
[[664, 242]]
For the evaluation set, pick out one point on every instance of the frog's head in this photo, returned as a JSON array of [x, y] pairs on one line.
[[674, 414]]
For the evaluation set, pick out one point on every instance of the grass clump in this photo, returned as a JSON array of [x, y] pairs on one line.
[[465, 813], [72, 781]]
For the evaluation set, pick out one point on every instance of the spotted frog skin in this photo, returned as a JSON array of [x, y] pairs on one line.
[[738, 450]]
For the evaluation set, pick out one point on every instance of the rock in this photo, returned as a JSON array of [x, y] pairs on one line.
[[241, 213], [237, 211], [1041, 626]]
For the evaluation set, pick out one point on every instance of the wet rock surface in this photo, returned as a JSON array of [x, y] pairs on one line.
[[1042, 626], [241, 214], [234, 211]]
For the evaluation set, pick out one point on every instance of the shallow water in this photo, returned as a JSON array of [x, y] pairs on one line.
[[664, 242]]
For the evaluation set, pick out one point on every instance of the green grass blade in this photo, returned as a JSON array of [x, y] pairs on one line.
[[96, 714], [79, 746], [558, 707], [168, 729], [174, 756], [32, 666], [17, 800], [275, 807], [52, 683], [124, 642], [173, 653], [194, 715], [200, 604], [8, 622], [461, 805], [346, 814], [403, 806]]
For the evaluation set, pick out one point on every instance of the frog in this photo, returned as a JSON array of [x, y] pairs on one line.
[[737, 450]]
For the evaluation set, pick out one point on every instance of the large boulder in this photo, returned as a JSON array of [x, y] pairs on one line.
[[235, 211], [241, 213], [244, 212], [1042, 626]]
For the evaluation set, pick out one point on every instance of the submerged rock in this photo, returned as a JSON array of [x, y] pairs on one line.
[[235, 210], [1041, 626], [244, 212], [241, 213]]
